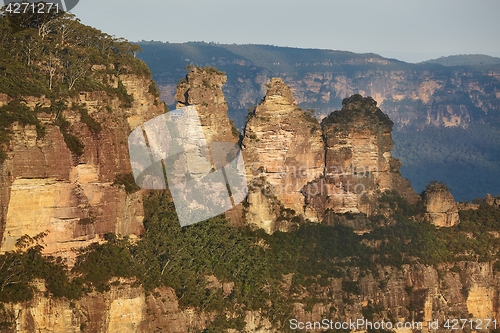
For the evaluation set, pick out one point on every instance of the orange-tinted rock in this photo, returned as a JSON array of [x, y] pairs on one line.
[[46, 187], [283, 151], [202, 87], [358, 161], [441, 208]]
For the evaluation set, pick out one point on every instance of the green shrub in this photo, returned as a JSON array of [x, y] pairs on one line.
[[93, 125], [122, 94], [74, 144], [98, 263], [128, 181], [351, 287], [153, 89]]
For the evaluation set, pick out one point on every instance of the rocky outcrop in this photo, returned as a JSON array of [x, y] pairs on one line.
[[203, 87], [124, 308], [295, 168], [414, 293], [358, 162], [283, 151], [441, 208], [493, 201], [46, 187]]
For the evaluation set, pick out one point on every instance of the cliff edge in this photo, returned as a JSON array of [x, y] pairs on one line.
[[70, 101]]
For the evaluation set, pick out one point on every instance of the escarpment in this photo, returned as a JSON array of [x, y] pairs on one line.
[[67, 107], [65, 168], [76, 197], [213, 277]]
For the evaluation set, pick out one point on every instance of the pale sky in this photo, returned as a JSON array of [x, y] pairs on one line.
[[409, 30]]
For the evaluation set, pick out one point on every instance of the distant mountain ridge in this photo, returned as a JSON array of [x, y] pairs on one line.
[[414, 95], [465, 60], [436, 106]]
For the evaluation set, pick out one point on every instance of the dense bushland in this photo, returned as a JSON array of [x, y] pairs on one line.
[[184, 258]]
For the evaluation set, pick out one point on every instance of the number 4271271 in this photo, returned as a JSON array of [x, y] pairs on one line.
[[473, 324], [32, 8]]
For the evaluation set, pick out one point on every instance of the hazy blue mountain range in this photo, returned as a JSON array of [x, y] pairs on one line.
[[465, 60], [446, 111]]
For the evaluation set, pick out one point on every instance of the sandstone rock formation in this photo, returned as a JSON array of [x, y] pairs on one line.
[[125, 308], [297, 168], [283, 151], [203, 87], [358, 162], [418, 293], [46, 187], [415, 292], [291, 167], [441, 208], [284, 148], [493, 201]]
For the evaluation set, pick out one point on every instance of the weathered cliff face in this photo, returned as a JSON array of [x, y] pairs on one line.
[[414, 95], [414, 293], [283, 151], [287, 154], [125, 308], [203, 87], [441, 208], [45, 187], [417, 293], [358, 160], [284, 148]]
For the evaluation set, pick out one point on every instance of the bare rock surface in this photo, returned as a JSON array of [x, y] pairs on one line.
[[283, 150], [45, 187], [441, 208]]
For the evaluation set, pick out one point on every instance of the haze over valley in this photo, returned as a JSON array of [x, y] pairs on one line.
[[446, 111], [291, 189]]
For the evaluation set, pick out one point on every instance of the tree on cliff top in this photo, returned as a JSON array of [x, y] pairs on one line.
[[356, 108], [55, 56], [48, 54]]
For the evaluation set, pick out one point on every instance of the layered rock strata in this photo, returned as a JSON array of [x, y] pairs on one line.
[[441, 208], [296, 168], [124, 308], [202, 88], [358, 161], [45, 187], [283, 151], [414, 293]]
